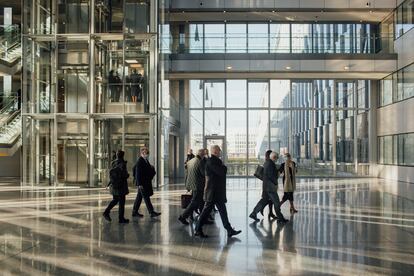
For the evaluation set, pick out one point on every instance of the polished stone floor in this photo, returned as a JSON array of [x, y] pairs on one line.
[[344, 227]]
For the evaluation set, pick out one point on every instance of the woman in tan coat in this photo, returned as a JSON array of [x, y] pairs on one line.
[[289, 170]]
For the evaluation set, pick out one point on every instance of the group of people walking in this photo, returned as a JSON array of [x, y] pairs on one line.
[[143, 173], [206, 179], [271, 173]]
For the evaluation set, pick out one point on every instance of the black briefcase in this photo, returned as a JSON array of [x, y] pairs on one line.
[[185, 200], [259, 172]]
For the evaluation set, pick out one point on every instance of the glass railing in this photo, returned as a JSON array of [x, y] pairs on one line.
[[8, 104], [11, 131], [282, 43], [10, 43]]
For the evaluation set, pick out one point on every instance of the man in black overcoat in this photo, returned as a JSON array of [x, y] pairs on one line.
[[215, 193], [143, 173]]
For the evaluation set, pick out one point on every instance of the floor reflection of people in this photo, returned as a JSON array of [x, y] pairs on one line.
[[289, 239]]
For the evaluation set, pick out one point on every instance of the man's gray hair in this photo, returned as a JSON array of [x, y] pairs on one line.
[[273, 154]]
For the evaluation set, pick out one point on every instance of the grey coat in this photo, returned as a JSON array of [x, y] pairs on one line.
[[215, 190], [195, 174], [270, 176]]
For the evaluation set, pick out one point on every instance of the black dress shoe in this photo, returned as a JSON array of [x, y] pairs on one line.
[[137, 215], [124, 220], [107, 217], [155, 214], [253, 216], [232, 232], [282, 220], [183, 220], [200, 234], [272, 216]]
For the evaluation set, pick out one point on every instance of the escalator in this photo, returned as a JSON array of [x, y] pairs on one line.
[[10, 126], [10, 50]]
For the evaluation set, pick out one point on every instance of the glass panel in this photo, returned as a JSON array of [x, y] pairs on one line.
[[408, 149], [301, 38], [408, 19], [136, 67], [196, 93], [301, 94], [279, 131], [73, 16], [136, 9], [386, 91], [258, 38], [258, 94], [258, 136], [72, 150], [387, 150], [214, 38], [214, 122], [196, 38], [136, 136], [279, 38], [214, 94], [236, 93], [408, 74], [196, 129], [236, 38], [279, 93], [109, 72], [73, 78], [236, 142], [108, 139]]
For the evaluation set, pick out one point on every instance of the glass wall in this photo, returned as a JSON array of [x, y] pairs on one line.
[[88, 89], [404, 18], [264, 37], [397, 86], [396, 149], [299, 117]]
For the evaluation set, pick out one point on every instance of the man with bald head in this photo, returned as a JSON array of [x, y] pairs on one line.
[[215, 193]]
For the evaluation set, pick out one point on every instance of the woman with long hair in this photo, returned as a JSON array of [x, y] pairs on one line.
[[289, 170]]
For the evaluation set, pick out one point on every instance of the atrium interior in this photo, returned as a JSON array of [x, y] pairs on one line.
[[328, 85]]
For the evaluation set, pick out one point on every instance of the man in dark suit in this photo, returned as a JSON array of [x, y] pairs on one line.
[[118, 186], [215, 193], [194, 182], [270, 175], [144, 172]]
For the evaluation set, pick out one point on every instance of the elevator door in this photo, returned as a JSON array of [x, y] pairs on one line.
[[76, 163], [76, 93]]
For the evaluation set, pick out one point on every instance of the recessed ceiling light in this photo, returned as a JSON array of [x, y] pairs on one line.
[[288, 67], [273, 11], [229, 67], [224, 11], [370, 11], [346, 67], [131, 61]]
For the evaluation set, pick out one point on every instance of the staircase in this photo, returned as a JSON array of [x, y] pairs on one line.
[[10, 126], [10, 50]]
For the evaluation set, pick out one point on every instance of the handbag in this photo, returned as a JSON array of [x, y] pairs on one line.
[[259, 172], [185, 200]]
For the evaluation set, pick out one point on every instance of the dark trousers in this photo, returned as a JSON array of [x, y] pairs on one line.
[[141, 195], [115, 200], [274, 197], [196, 203], [208, 207]]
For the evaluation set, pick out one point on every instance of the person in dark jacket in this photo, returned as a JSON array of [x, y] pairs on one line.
[[215, 193], [271, 215], [118, 186], [270, 176], [195, 181], [144, 172]]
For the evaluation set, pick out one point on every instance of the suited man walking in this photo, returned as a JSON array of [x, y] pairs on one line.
[[195, 181], [144, 172], [118, 186], [215, 193], [270, 175]]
